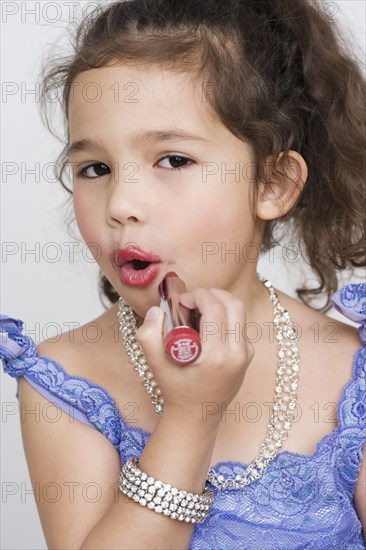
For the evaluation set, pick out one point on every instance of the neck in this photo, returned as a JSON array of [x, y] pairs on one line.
[[256, 298]]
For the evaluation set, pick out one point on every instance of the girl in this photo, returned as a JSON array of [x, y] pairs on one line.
[[214, 122]]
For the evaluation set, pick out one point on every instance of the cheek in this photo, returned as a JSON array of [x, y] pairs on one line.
[[85, 222], [198, 228], [90, 232], [211, 216]]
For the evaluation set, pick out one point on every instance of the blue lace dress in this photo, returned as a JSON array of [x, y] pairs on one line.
[[300, 502]]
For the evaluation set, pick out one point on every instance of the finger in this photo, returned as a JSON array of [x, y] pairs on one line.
[[150, 336], [213, 316], [220, 331], [235, 331], [203, 300]]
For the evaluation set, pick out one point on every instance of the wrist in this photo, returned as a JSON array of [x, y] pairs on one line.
[[192, 420], [162, 497]]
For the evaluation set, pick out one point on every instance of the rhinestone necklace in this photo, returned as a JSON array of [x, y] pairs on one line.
[[284, 406]]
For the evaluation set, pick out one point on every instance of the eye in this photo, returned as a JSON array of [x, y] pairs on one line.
[[99, 169], [177, 160]]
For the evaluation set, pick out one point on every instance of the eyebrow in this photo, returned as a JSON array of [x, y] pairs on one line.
[[152, 136]]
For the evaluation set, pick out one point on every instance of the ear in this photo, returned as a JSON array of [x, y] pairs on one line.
[[280, 192]]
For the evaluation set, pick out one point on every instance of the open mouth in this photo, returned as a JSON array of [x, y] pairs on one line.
[[134, 266], [139, 264], [138, 272]]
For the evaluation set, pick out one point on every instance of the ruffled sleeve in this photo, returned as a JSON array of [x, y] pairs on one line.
[[20, 357], [18, 351], [350, 300]]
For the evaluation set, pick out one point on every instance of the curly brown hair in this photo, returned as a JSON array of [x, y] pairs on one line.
[[294, 85]]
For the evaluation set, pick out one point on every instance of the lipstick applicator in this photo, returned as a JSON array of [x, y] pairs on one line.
[[181, 325]]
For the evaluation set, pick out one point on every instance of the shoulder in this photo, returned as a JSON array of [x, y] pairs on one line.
[[91, 356], [319, 333], [19, 352], [328, 348], [81, 347]]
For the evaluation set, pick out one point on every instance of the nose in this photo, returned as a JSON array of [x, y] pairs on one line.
[[127, 201]]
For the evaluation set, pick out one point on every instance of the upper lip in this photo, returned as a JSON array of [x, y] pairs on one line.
[[123, 255]]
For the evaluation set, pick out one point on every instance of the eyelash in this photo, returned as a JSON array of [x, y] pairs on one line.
[[81, 172]]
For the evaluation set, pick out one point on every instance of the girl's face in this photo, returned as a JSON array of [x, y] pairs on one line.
[[137, 182]]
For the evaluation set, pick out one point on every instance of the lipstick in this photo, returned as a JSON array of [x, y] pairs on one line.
[[181, 325]]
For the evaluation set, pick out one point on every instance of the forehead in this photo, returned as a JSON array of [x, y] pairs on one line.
[[130, 95]]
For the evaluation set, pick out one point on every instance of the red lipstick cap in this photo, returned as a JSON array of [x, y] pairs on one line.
[[182, 345]]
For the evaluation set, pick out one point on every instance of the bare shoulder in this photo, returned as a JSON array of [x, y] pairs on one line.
[[333, 336], [327, 345], [78, 349], [95, 352]]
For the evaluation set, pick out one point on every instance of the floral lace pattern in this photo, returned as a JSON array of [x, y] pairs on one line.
[[301, 501]]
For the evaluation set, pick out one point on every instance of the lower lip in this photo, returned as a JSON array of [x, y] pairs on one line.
[[142, 277]]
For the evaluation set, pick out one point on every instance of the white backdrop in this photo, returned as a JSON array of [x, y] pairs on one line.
[[46, 281]]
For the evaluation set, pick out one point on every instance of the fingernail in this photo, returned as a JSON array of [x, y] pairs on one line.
[[152, 313]]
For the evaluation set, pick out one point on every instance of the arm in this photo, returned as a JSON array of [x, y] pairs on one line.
[[80, 461], [175, 454], [178, 452], [360, 495]]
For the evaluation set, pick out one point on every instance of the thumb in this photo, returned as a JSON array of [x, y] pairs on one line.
[[152, 314]]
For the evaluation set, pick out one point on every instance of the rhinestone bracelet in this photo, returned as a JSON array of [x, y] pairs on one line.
[[162, 497]]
